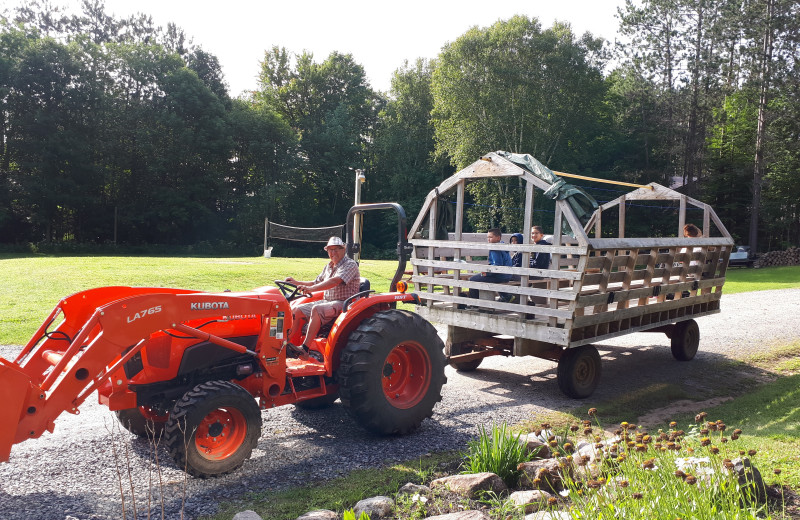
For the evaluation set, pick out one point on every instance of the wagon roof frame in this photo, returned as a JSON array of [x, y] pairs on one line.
[[494, 165]]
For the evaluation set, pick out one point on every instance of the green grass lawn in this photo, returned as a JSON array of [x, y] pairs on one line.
[[31, 286], [745, 280]]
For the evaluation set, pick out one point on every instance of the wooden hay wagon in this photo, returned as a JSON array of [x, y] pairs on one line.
[[596, 287]]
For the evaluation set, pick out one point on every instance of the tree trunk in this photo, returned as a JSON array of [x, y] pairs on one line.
[[758, 170]]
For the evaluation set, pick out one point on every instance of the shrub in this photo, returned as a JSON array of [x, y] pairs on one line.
[[498, 452]]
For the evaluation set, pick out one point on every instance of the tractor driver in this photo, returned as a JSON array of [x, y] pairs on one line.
[[340, 280]]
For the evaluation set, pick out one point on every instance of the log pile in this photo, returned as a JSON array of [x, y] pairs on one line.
[[789, 257]]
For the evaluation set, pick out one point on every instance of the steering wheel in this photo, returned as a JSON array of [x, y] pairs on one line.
[[289, 290]]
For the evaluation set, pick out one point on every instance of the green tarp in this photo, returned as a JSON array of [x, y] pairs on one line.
[[583, 205]]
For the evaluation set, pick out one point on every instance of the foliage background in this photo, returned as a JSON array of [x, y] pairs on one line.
[[118, 134]]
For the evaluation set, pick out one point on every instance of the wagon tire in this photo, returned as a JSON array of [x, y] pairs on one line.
[[213, 428], [684, 340], [579, 371], [391, 372], [142, 421], [463, 366]]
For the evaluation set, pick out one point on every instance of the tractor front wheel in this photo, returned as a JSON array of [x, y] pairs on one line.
[[213, 428], [392, 372]]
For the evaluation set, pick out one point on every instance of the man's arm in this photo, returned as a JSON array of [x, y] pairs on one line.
[[297, 282], [323, 285]]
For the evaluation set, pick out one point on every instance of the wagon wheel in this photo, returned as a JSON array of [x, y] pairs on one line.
[[685, 339], [579, 371], [392, 372], [213, 428], [142, 421], [463, 366]]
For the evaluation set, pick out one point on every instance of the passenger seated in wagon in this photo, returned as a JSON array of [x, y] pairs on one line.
[[500, 258]]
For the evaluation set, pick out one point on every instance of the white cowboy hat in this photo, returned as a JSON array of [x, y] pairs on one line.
[[335, 242]]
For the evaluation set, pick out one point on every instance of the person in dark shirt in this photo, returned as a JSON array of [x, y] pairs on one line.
[[539, 260], [516, 260]]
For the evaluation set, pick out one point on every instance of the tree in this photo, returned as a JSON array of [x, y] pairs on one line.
[[263, 173], [333, 111], [404, 167], [776, 22], [655, 51], [513, 86]]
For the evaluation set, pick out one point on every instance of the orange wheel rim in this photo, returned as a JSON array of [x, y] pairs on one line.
[[220, 433], [406, 375]]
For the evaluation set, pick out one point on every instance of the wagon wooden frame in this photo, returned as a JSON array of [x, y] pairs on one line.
[[595, 289]]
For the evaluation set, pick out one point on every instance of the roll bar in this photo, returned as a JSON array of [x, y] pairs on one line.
[[403, 247]]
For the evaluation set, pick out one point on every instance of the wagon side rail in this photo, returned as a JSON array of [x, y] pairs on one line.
[[641, 284], [442, 269]]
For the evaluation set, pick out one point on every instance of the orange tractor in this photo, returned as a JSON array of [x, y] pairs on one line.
[[199, 367]]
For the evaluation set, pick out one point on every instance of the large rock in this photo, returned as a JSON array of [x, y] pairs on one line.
[[471, 485], [376, 507], [413, 489], [461, 515], [530, 500], [532, 442], [247, 515], [319, 514], [543, 474], [548, 515], [585, 461]]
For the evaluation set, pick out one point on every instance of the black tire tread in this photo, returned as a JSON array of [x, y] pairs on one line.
[[566, 369], [684, 340], [132, 420], [177, 434], [364, 353]]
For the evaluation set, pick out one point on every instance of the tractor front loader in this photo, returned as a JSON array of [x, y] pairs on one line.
[[199, 367]]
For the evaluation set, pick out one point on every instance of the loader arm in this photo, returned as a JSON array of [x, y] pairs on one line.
[[101, 329]]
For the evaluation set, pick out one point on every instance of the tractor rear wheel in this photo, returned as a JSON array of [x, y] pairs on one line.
[[579, 371], [392, 372], [684, 340], [142, 421], [213, 428]]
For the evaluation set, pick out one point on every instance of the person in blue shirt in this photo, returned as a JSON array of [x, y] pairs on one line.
[[500, 258]]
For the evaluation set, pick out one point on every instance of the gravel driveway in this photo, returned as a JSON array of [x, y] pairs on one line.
[[73, 472]]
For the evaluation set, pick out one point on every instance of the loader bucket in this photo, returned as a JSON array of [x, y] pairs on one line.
[[14, 388]]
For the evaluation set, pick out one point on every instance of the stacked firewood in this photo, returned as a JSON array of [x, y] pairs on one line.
[[789, 257]]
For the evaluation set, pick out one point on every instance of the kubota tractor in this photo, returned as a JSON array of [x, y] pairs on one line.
[[199, 367]]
